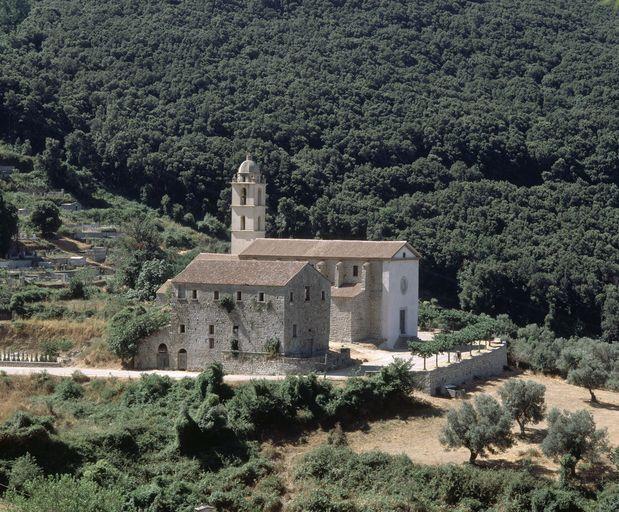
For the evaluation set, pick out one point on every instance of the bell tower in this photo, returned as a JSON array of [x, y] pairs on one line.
[[248, 206]]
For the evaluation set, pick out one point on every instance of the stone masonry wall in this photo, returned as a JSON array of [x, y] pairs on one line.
[[256, 322], [484, 365], [263, 364]]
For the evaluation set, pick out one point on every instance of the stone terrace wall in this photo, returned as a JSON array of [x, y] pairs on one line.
[[258, 363], [484, 365]]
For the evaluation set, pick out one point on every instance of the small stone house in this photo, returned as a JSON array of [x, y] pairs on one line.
[[222, 307]]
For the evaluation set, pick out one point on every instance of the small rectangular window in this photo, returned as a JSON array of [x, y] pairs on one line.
[[194, 294], [355, 270], [239, 296], [211, 343], [307, 293], [235, 330], [294, 330], [323, 295], [291, 297], [216, 295], [211, 329], [181, 328], [181, 292], [261, 297]]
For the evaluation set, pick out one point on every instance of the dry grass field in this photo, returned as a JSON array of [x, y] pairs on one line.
[[418, 435]]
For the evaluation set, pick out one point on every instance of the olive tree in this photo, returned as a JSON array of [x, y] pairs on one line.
[[524, 400], [572, 437], [590, 373], [479, 427]]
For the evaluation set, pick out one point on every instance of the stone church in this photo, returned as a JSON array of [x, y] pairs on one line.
[[273, 305], [374, 285]]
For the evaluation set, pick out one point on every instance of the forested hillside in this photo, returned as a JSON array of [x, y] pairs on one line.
[[484, 132]]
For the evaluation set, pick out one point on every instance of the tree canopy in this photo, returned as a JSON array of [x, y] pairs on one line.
[[483, 132]]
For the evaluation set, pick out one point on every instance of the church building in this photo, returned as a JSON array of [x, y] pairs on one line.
[[374, 284], [274, 305]]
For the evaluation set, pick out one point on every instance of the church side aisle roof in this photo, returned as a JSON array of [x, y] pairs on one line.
[[322, 249]]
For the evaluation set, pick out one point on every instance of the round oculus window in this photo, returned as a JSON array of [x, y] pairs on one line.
[[403, 285]]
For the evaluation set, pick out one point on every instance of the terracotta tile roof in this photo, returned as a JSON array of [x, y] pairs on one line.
[[163, 289], [216, 256], [347, 290], [204, 270], [318, 249]]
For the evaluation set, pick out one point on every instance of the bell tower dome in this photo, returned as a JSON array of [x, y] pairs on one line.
[[248, 206]]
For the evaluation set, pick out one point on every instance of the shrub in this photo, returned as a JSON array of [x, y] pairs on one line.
[[257, 405], [560, 500], [65, 493], [24, 468], [211, 380], [68, 389], [20, 300], [227, 303], [479, 427], [271, 347], [149, 389], [127, 327], [79, 377], [608, 499]]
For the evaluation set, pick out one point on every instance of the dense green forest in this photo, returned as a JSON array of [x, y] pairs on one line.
[[484, 132]]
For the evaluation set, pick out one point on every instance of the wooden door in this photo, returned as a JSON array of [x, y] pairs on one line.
[[182, 359]]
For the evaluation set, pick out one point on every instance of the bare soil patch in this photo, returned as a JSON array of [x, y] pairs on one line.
[[417, 436]]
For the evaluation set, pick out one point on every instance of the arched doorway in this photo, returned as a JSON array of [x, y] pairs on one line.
[[163, 358], [182, 359]]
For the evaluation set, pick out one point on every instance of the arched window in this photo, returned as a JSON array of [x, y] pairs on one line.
[[243, 196], [242, 222], [258, 222], [163, 359], [259, 201]]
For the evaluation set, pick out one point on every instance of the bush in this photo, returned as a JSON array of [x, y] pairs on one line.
[[210, 381], [65, 493], [127, 327], [20, 300], [258, 405], [272, 346], [227, 303], [35, 435], [68, 389], [149, 389], [79, 377], [24, 468]]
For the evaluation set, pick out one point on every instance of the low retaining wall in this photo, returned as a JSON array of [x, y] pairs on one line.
[[26, 364], [484, 365], [256, 363]]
